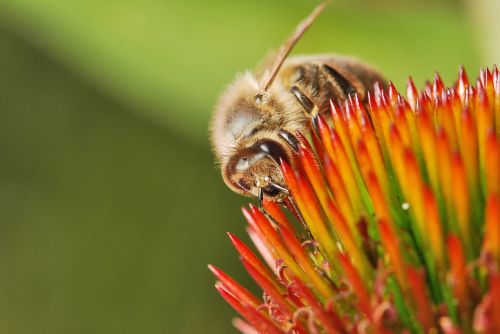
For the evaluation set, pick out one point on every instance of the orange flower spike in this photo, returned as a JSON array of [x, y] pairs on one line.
[[414, 190], [396, 157], [272, 237], [434, 226], [357, 285], [484, 117], [263, 240], [447, 120], [456, 107], [233, 287], [350, 245], [491, 243], [339, 123], [374, 111], [309, 207], [352, 122], [422, 303], [492, 164], [313, 214], [460, 198], [469, 149], [390, 244], [372, 145], [428, 143], [444, 160], [458, 272], [311, 168], [338, 189], [379, 200], [278, 215], [401, 123], [337, 153]]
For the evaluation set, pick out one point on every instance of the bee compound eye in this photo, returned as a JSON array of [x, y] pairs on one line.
[[271, 191], [273, 149]]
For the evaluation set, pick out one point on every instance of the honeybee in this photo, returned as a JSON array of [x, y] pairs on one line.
[[256, 118]]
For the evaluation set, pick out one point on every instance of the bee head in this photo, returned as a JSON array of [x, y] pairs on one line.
[[256, 168]]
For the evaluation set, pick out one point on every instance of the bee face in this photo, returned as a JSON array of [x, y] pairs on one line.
[[256, 168]]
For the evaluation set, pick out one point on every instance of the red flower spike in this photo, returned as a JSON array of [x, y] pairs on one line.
[[411, 93], [422, 303], [357, 285], [244, 327], [393, 94], [236, 304], [463, 83], [437, 86], [247, 255], [262, 323], [263, 249], [495, 307], [268, 286], [234, 287], [458, 273], [321, 315]]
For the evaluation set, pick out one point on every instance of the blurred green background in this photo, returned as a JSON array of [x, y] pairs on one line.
[[110, 203]]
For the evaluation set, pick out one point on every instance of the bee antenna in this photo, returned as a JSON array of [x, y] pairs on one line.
[[287, 47]]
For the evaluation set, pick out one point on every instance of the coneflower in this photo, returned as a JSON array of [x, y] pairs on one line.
[[397, 219]]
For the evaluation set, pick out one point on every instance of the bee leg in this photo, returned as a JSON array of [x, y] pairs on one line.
[[339, 80], [310, 108], [291, 140], [260, 199]]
